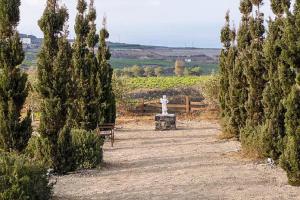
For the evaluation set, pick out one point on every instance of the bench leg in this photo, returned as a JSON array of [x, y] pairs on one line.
[[112, 139]]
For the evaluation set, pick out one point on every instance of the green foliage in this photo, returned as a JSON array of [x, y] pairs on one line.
[[227, 64], [39, 151], [274, 130], [123, 62], [196, 71], [54, 81], [65, 152], [255, 73], [211, 89], [290, 159], [149, 71], [14, 131], [165, 82], [87, 149], [85, 65], [106, 95], [251, 140], [186, 71], [23, 179], [137, 71], [238, 84], [118, 72], [260, 95], [158, 71], [289, 79]]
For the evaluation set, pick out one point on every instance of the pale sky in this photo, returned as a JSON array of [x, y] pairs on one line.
[[178, 23]]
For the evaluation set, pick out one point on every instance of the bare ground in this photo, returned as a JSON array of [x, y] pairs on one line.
[[190, 163]]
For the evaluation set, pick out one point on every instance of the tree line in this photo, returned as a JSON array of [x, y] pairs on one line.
[[74, 83], [260, 83], [148, 71]]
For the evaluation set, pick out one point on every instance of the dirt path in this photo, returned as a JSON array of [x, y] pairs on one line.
[[190, 163]]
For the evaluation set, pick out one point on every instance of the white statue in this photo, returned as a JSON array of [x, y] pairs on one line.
[[164, 101]]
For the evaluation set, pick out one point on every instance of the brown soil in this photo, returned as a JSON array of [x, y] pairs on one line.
[[190, 163]]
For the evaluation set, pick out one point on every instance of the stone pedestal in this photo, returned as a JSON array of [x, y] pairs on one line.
[[165, 122]]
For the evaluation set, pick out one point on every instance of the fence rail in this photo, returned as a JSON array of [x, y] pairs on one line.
[[188, 106]]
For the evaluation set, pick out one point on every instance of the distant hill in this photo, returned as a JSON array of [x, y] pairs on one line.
[[125, 55]]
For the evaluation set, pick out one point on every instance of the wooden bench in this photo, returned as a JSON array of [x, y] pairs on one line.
[[107, 130]]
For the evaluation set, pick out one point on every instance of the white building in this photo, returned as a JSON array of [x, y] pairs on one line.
[[188, 60], [26, 41]]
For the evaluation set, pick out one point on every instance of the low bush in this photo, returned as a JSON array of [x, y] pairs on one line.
[[252, 141], [23, 179], [39, 150], [210, 89], [87, 149]]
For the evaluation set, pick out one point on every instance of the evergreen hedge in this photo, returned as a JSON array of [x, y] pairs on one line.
[[23, 179], [260, 95], [87, 148]]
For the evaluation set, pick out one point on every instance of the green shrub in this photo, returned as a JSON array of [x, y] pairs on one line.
[[290, 159], [251, 139], [23, 179], [87, 149], [39, 150], [210, 89]]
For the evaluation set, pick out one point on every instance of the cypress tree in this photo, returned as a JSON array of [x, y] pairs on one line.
[[290, 159], [255, 75], [84, 62], [54, 67], [104, 86], [14, 131], [273, 130], [227, 61], [238, 82], [224, 80], [290, 50]]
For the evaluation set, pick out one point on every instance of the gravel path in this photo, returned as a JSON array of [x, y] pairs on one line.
[[190, 163]]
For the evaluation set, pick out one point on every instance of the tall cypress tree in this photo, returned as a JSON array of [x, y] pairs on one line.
[[290, 159], [227, 62], [84, 61], [224, 74], [238, 81], [92, 41], [54, 66], [14, 131], [255, 74], [274, 131], [107, 111]]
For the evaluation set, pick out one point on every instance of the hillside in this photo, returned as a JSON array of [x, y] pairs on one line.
[[124, 55]]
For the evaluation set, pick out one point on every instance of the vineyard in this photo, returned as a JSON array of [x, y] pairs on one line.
[[165, 82]]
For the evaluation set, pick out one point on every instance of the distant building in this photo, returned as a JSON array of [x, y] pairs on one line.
[[188, 60], [26, 41]]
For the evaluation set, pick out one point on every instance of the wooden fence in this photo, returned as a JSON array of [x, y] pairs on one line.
[[188, 106]]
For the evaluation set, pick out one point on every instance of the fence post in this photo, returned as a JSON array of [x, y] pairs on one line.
[[187, 104], [143, 105]]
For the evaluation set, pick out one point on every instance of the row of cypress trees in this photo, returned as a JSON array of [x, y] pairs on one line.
[[260, 83], [74, 82]]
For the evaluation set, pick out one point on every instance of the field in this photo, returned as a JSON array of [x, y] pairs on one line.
[[208, 68], [165, 82]]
